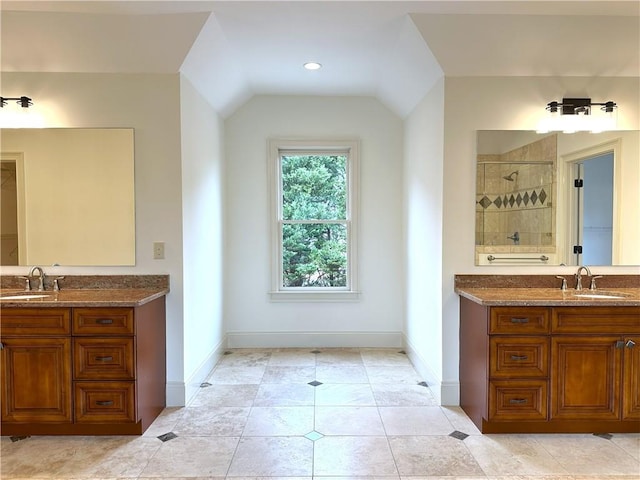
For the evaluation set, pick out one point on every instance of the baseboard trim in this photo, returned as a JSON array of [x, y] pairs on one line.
[[445, 393], [313, 339], [180, 394]]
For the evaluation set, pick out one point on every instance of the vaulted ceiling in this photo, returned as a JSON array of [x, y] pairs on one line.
[[394, 50]]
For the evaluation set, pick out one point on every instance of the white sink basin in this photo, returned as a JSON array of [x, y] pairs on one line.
[[23, 297], [601, 295]]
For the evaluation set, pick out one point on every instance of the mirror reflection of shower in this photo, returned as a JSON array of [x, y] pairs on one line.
[[510, 176]]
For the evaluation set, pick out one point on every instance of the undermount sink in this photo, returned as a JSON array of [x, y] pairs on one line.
[[601, 294], [24, 296]]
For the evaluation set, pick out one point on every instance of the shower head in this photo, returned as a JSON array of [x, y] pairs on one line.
[[510, 176]]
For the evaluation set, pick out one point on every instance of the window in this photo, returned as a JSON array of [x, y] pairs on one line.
[[314, 198]]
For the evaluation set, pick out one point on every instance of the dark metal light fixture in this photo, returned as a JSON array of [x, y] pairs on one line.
[[578, 114], [24, 102]]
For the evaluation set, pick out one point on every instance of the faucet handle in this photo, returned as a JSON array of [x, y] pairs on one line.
[[593, 281], [563, 287], [56, 285], [27, 283]]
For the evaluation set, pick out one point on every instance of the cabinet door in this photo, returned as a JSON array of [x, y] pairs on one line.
[[631, 379], [586, 373], [36, 380]]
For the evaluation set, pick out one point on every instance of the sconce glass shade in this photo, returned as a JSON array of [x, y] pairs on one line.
[[585, 117]]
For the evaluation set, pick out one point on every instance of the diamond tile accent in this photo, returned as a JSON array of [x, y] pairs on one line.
[[498, 202], [512, 200], [313, 436], [17, 438], [316, 351], [543, 196], [518, 199], [484, 202], [167, 436], [458, 434], [228, 353], [525, 198], [534, 197], [205, 384], [315, 383], [606, 436], [423, 384], [402, 352]]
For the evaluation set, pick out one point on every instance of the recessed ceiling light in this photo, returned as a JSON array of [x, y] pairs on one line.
[[312, 66]]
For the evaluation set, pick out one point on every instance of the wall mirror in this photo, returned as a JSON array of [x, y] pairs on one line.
[[67, 197], [557, 198]]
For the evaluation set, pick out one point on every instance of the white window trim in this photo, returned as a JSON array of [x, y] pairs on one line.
[[310, 294]]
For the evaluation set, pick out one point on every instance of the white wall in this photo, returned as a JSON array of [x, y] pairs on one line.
[[202, 218], [150, 104], [422, 199], [252, 319], [500, 103]]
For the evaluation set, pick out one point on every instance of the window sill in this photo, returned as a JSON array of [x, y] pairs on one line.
[[315, 296]]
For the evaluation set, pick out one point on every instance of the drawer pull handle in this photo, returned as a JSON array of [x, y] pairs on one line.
[[519, 357], [630, 344], [619, 343], [104, 359], [104, 403], [517, 401], [519, 320], [104, 321]]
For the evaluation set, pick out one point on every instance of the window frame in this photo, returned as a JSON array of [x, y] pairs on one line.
[[350, 148]]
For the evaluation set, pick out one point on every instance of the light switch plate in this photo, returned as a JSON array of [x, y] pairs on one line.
[[158, 250]]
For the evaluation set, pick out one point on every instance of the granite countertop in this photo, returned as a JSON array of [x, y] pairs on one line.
[[114, 297], [509, 296]]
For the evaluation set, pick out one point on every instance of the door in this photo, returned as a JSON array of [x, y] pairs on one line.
[[36, 380], [631, 379], [586, 374], [593, 210]]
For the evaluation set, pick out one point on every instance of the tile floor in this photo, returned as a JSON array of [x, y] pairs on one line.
[[332, 413]]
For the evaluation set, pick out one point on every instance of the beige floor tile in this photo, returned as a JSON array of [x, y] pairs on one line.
[[289, 374], [165, 422], [513, 455], [226, 396], [212, 421], [245, 358], [388, 395], [283, 395], [381, 357], [192, 457], [351, 421], [589, 455], [415, 421], [273, 456], [353, 456], [237, 375], [629, 442], [392, 375], [345, 395], [293, 358], [341, 374], [433, 455], [279, 421], [338, 356], [460, 421]]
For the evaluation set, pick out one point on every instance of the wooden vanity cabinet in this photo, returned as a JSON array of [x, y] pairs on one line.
[[550, 369], [82, 371]]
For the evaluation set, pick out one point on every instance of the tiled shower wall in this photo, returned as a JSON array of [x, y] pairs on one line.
[[525, 205]]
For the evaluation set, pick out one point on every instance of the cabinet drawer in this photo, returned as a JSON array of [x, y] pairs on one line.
[[102, 402], [103, 321], [110, 358], [35, 321], [519, 357], [518, 400], [605, 320], [519, 320]]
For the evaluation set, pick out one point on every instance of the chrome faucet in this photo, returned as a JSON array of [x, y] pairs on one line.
[[41, 277], [579, 276]]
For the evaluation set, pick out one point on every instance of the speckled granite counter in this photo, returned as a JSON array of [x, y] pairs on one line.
[[543, 290], [87, 291]]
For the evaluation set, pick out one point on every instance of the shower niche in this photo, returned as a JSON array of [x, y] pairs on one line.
[[515, 200]]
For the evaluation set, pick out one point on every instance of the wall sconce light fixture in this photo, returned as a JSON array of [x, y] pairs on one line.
[[24, 102], [579, 115]]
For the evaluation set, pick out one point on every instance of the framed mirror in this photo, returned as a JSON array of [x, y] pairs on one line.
[[557, 198], [67, 196]]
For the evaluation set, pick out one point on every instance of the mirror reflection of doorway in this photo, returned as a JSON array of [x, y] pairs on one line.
[[9, 253], [593, 204]]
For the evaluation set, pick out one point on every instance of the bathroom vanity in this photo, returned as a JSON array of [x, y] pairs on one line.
[[543, 360], [83, 361]]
